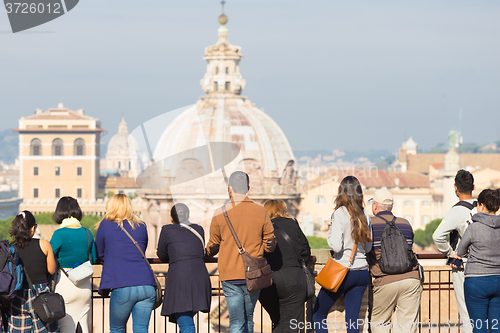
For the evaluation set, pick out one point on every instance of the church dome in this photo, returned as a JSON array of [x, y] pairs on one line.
[[224, 115], [121, 141]]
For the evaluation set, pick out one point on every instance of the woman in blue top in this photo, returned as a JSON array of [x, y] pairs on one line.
[[72, 245], [125, 272]]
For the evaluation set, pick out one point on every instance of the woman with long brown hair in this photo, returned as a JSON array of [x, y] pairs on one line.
[[350, 230]]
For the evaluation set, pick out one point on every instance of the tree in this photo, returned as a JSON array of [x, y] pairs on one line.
[[424, 237], [317, 242]]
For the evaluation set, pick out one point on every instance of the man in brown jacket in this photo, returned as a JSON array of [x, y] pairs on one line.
[[392, 293], [256, 234]]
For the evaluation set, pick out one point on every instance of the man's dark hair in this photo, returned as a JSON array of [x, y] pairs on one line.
[[67, 207], [239, 182], [464, 181], [179, 213]]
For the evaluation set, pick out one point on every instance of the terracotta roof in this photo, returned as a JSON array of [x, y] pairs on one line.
[[374, 178], [420, 162], [120, 182]]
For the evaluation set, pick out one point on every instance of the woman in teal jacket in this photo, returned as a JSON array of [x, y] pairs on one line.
[[72, 245]]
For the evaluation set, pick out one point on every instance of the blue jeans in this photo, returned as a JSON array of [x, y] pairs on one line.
[[353, 287], [185, 321], [482, 297], [240, 304], [138, 300]]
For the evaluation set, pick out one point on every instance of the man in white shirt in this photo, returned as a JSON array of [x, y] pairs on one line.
[[457, 220]]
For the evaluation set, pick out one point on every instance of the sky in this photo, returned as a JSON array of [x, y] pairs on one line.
[[348, 75]]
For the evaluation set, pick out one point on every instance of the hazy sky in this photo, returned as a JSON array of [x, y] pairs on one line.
[[333, 74]]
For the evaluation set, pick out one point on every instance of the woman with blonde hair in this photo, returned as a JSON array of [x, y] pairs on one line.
[[284, 299], [350, 231], [125, 272]]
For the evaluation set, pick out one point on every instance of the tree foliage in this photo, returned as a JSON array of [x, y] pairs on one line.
[[317, 242], [424, 237], [88, 221]]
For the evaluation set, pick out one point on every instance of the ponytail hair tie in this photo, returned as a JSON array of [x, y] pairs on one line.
[[23, 214]]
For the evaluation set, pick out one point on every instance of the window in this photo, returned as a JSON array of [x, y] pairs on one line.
[[228, 86], [426, 203], [36, 147], [58, 171], [425, 219], [79, 171], [58, 192], [216, 86], [35, 171], [408, 203], [79, 192], [57, 147], [129, 165], [409, 218], [216, 70], [320, 200], [119, 165], [35, 193], [79, 148], [227, 70]]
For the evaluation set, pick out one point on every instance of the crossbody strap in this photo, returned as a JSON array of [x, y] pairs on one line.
[[241, 249], [289, 241], [196, 233], [351, 260], [138, 247]]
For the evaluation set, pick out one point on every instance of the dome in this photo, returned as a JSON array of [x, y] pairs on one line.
[[237, 121], [224, 115], [122, 141]]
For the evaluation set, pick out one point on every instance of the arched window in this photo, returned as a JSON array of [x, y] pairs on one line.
[[57, 147], [36, 147], [79, 148]]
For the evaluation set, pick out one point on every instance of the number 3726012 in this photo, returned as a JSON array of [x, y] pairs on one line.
[[32, 8]]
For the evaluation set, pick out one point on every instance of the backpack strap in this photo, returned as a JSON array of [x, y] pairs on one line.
[[466, 204], [392, 222]]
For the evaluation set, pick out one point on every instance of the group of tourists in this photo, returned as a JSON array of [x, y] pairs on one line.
[[376, 250]]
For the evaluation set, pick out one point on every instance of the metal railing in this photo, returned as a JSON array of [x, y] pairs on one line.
[[438, 310]]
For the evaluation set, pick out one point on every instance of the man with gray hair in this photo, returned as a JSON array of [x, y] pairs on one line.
[[392, 293]]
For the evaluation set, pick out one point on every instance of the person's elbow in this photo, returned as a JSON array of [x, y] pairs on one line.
[[270, 245]]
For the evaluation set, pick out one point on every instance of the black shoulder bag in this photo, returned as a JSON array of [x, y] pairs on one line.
[[310, 283], [48, 306]]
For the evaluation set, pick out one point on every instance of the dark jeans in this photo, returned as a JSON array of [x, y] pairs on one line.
[[284, 300], [353, 287], [482, 297]]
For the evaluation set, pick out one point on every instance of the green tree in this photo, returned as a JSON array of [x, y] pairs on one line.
[[317, 242], [424, 237]]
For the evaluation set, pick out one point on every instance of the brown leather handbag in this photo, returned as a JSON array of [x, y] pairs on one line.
[[332, 275], [257, 270]]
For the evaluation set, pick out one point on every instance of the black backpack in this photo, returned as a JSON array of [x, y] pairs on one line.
[[396, 256]]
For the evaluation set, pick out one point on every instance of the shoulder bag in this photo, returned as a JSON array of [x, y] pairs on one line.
[[310, 284], [257, 270], [158, 290], [48, 306], [197, 234], [332, 275], [80, 271]]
